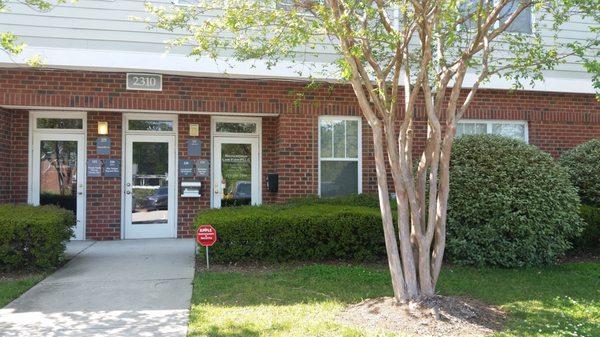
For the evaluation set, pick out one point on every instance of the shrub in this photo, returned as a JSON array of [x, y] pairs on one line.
[[583, 165], [590, 238], [510, 204], [296, 232], [33, 237]]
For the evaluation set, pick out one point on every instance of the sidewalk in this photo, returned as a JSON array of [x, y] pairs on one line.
[[111, 288]]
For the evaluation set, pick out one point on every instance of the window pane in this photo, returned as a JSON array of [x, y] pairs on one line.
[[236, 172], [512, 130], [150, 183], [522, 24], [339, 178], [339, 139], [58, 173], [470, 129], [236, 127], [60, 123], [351, 139], [150, 125], [326, 140]]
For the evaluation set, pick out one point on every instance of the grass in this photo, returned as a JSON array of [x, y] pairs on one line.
[[561, 300], [13, 286]]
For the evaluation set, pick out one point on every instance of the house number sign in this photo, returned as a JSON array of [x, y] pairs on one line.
[[139, 81]]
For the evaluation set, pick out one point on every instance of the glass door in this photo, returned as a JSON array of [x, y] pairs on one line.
[[59, 174], [150, 187], [236, 179]]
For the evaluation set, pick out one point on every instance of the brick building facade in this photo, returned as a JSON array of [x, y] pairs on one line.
[[289, 132]]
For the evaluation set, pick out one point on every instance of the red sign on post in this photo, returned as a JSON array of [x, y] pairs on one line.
[[206, 235]]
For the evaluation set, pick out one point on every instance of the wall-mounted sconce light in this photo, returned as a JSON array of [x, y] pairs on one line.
[[194, 130], [103, 128]]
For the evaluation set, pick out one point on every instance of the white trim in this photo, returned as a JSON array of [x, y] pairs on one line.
[[359, 159], [79, 135], [171, 112], [489, 122], [241, 137], [124, 133]]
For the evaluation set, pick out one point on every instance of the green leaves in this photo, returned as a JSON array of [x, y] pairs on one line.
[[510, 204]]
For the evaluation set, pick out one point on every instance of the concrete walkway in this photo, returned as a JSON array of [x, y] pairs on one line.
[[111, 288]]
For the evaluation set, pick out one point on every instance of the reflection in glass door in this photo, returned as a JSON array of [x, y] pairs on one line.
[[59, 174], [236, 176], [149, 187]]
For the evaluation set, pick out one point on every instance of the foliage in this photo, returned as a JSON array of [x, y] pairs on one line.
[[33, 237], [583, 165], [590, 237], [549, 301], [510, 204], [295, 232]]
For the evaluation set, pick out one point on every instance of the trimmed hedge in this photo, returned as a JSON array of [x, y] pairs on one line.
[[510, 204], [299, 231], [33, 237], [583, 165], [590, 238]]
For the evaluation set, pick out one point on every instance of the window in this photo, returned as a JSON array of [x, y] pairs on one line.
[[522, 23], [340, 155], [235, 127], [150, 125], [59, 123], [512, 129]]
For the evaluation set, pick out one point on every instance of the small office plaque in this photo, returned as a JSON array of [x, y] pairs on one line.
[[94, 168], [112, 168], [193, 147], [186, 168], [103, 146], [202, 168]]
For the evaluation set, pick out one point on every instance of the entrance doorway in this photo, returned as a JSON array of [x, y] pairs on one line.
[[236, 157], [58, 163], [150, 180]]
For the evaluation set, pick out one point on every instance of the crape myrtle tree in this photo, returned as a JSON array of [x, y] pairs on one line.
[[396, 55]]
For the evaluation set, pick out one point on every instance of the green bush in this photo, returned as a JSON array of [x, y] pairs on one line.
[[299, 231], [590, 238], [510, 204], [583, 165], [33, 237]]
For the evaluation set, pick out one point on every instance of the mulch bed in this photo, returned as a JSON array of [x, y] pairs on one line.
[[456, 316]]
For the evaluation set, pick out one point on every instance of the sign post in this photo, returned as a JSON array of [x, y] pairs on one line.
[[206, 236]]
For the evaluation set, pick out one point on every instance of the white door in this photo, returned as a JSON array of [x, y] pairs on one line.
[[150, 187], [236, 176], [58, 168]]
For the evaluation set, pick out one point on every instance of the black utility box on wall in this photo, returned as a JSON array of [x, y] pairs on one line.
[[273, 182]]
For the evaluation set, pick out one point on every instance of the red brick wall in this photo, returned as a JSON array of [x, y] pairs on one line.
[[289, 143], [5, 136], [188, 208], [18, 157], [103, 213]]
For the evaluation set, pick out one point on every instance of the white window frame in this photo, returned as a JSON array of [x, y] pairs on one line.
[[359, 157], [149, 117], [489, 125], [231, 119], [533, 23]]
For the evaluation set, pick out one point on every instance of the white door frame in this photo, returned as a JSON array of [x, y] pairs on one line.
[[219, 138], [170, 229], [36, 135]]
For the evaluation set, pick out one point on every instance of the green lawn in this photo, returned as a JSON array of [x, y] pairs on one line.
[[561, 300], [12, 287]]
